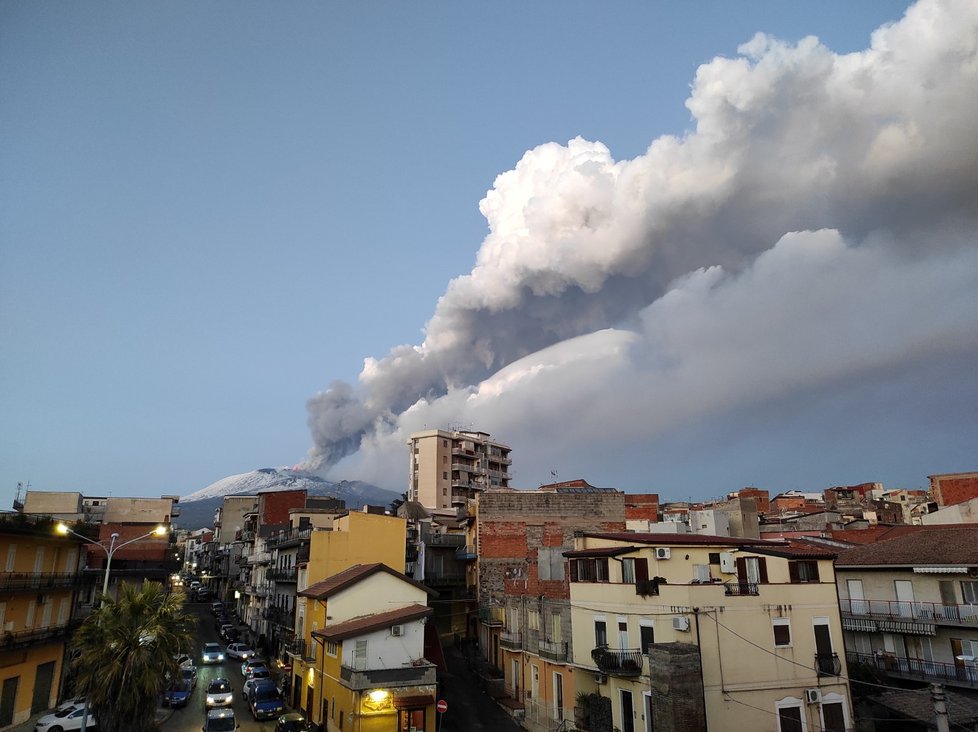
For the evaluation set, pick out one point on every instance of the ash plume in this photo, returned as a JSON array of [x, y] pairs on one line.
[[802, 162]]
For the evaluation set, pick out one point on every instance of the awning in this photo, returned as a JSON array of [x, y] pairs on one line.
[[940, 570]]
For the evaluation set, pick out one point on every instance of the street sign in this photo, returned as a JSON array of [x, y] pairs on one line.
[[441, 706]]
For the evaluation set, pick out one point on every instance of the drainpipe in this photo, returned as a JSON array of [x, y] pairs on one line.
[[699, 644]]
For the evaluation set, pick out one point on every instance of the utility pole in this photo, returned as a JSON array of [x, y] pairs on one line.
[[940, 708]]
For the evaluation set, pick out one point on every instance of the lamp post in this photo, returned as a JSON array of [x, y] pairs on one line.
[[111, 549]]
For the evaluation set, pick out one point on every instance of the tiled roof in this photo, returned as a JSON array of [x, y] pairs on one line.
[[350, 576], [917, 704], [681, 539], [873, 533], [952, 544], [369, 623], [797, 549], [604, 551]]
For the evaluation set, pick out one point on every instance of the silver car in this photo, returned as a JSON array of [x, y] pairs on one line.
[[219, 694], [212, 653]]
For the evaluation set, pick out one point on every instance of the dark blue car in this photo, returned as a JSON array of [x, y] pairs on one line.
[[178, 694]]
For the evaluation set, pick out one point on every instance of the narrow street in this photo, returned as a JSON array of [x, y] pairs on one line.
[[191, 717]]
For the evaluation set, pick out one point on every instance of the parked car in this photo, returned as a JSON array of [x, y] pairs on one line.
[[212, 653], [251, 663], [78, 701], [65, 719], [178, 693], [293, 722], [219, 694], [232, 635], [202, 594], [219, 720], [189, 674], [184, 659], [257, 676], [264, 700], [240, 651], [217, 608]]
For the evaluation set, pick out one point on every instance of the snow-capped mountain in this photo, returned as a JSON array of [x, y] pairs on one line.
[[197, 509]]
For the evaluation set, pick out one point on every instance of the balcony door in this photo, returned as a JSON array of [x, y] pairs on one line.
[[627, 712], [904, 596], [857, 600]]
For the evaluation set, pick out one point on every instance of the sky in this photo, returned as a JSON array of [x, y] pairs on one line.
[[658, 246]]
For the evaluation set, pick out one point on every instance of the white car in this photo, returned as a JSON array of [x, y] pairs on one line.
[[65, 719], [183, 660], [219, 694], [241, 651], [212, 653], [259, 674]]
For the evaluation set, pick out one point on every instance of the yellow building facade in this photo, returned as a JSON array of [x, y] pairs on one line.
[[37, 588], [746, 631]]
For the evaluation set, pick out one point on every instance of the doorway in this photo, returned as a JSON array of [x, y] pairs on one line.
[[42, 687], [627, 712]]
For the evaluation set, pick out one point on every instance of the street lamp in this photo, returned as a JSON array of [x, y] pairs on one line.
[[111, 549]]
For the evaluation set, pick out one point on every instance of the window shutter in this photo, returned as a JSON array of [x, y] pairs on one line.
[[762, 568], [573, 570], [641, 570], [742, 570], [814, 566], [793, 571]]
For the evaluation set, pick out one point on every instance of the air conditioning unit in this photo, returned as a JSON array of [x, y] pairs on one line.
[[600, 678], [395, 630], [813, 696], [663, 552], [680, 622], [728, 565]]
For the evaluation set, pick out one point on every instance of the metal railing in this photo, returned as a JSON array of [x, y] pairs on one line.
[[552, 650], [452, 540], [360, 679], [37, 636], [931, 612], [511, 639], [963, 674], [467, 553], [741, 588], [282, 574], [618, 662], [42, 580], [490, 615], [828, 664], [288, 538]]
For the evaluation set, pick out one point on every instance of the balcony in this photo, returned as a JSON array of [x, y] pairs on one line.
[[297, 649], [491, 616], [927, 613], [363, 679], [292, 537], [282, 574], [447, 540], [258, 590], [741, 588], [259, 558], [33, 581], [37, 636], [439, 578], [553, 651], [617, 662], [467, 553], [511, 639], [916, 669], [828, 664], [303, 554]]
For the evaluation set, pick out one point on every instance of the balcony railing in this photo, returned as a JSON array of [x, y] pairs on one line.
[[292, 537], [740, 588], [443, 579], [467, 553], [282, 574], [927, 612], [828, 664], [490, 615], [360, 679], [617, 662], [37, 636], [297, 648], [42, 581], [450, 540], [511, 639], [553, 651], [964, 674]]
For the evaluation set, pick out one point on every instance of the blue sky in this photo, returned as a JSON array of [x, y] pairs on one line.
[[209, 212]]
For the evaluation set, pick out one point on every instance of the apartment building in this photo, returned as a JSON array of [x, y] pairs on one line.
[[355, 539], [448, 468], [698, 632], [909, 604], [38, 587], [367, 640]]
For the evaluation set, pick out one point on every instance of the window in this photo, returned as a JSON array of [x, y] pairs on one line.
[[550, 563], [647, 636], [628, 571], [600, 633], [789, 719], [360, 655], [622, 633], [804, 571], [444, 459], [969, 591], [556, 631], [332, 647], [589, 570], [11, 557], [533, 619], [444, 475], [782, 631]]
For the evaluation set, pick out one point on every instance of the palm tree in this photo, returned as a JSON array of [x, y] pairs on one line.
[[126, 652]]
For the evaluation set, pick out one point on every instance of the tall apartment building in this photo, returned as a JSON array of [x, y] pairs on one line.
[[38, 585], [449, 469]]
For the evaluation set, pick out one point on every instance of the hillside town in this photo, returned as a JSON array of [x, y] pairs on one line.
[[570, 606]]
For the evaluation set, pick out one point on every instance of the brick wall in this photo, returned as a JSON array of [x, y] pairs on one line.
[[275, 506], [949, 490], [677, 688], [642, 506]]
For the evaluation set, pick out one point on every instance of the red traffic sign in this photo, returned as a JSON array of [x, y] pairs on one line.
[[441, 706]]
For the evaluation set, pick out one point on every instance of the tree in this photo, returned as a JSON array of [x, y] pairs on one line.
[[126, 653]]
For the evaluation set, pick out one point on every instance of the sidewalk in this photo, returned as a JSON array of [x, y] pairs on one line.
[[162, 714]]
